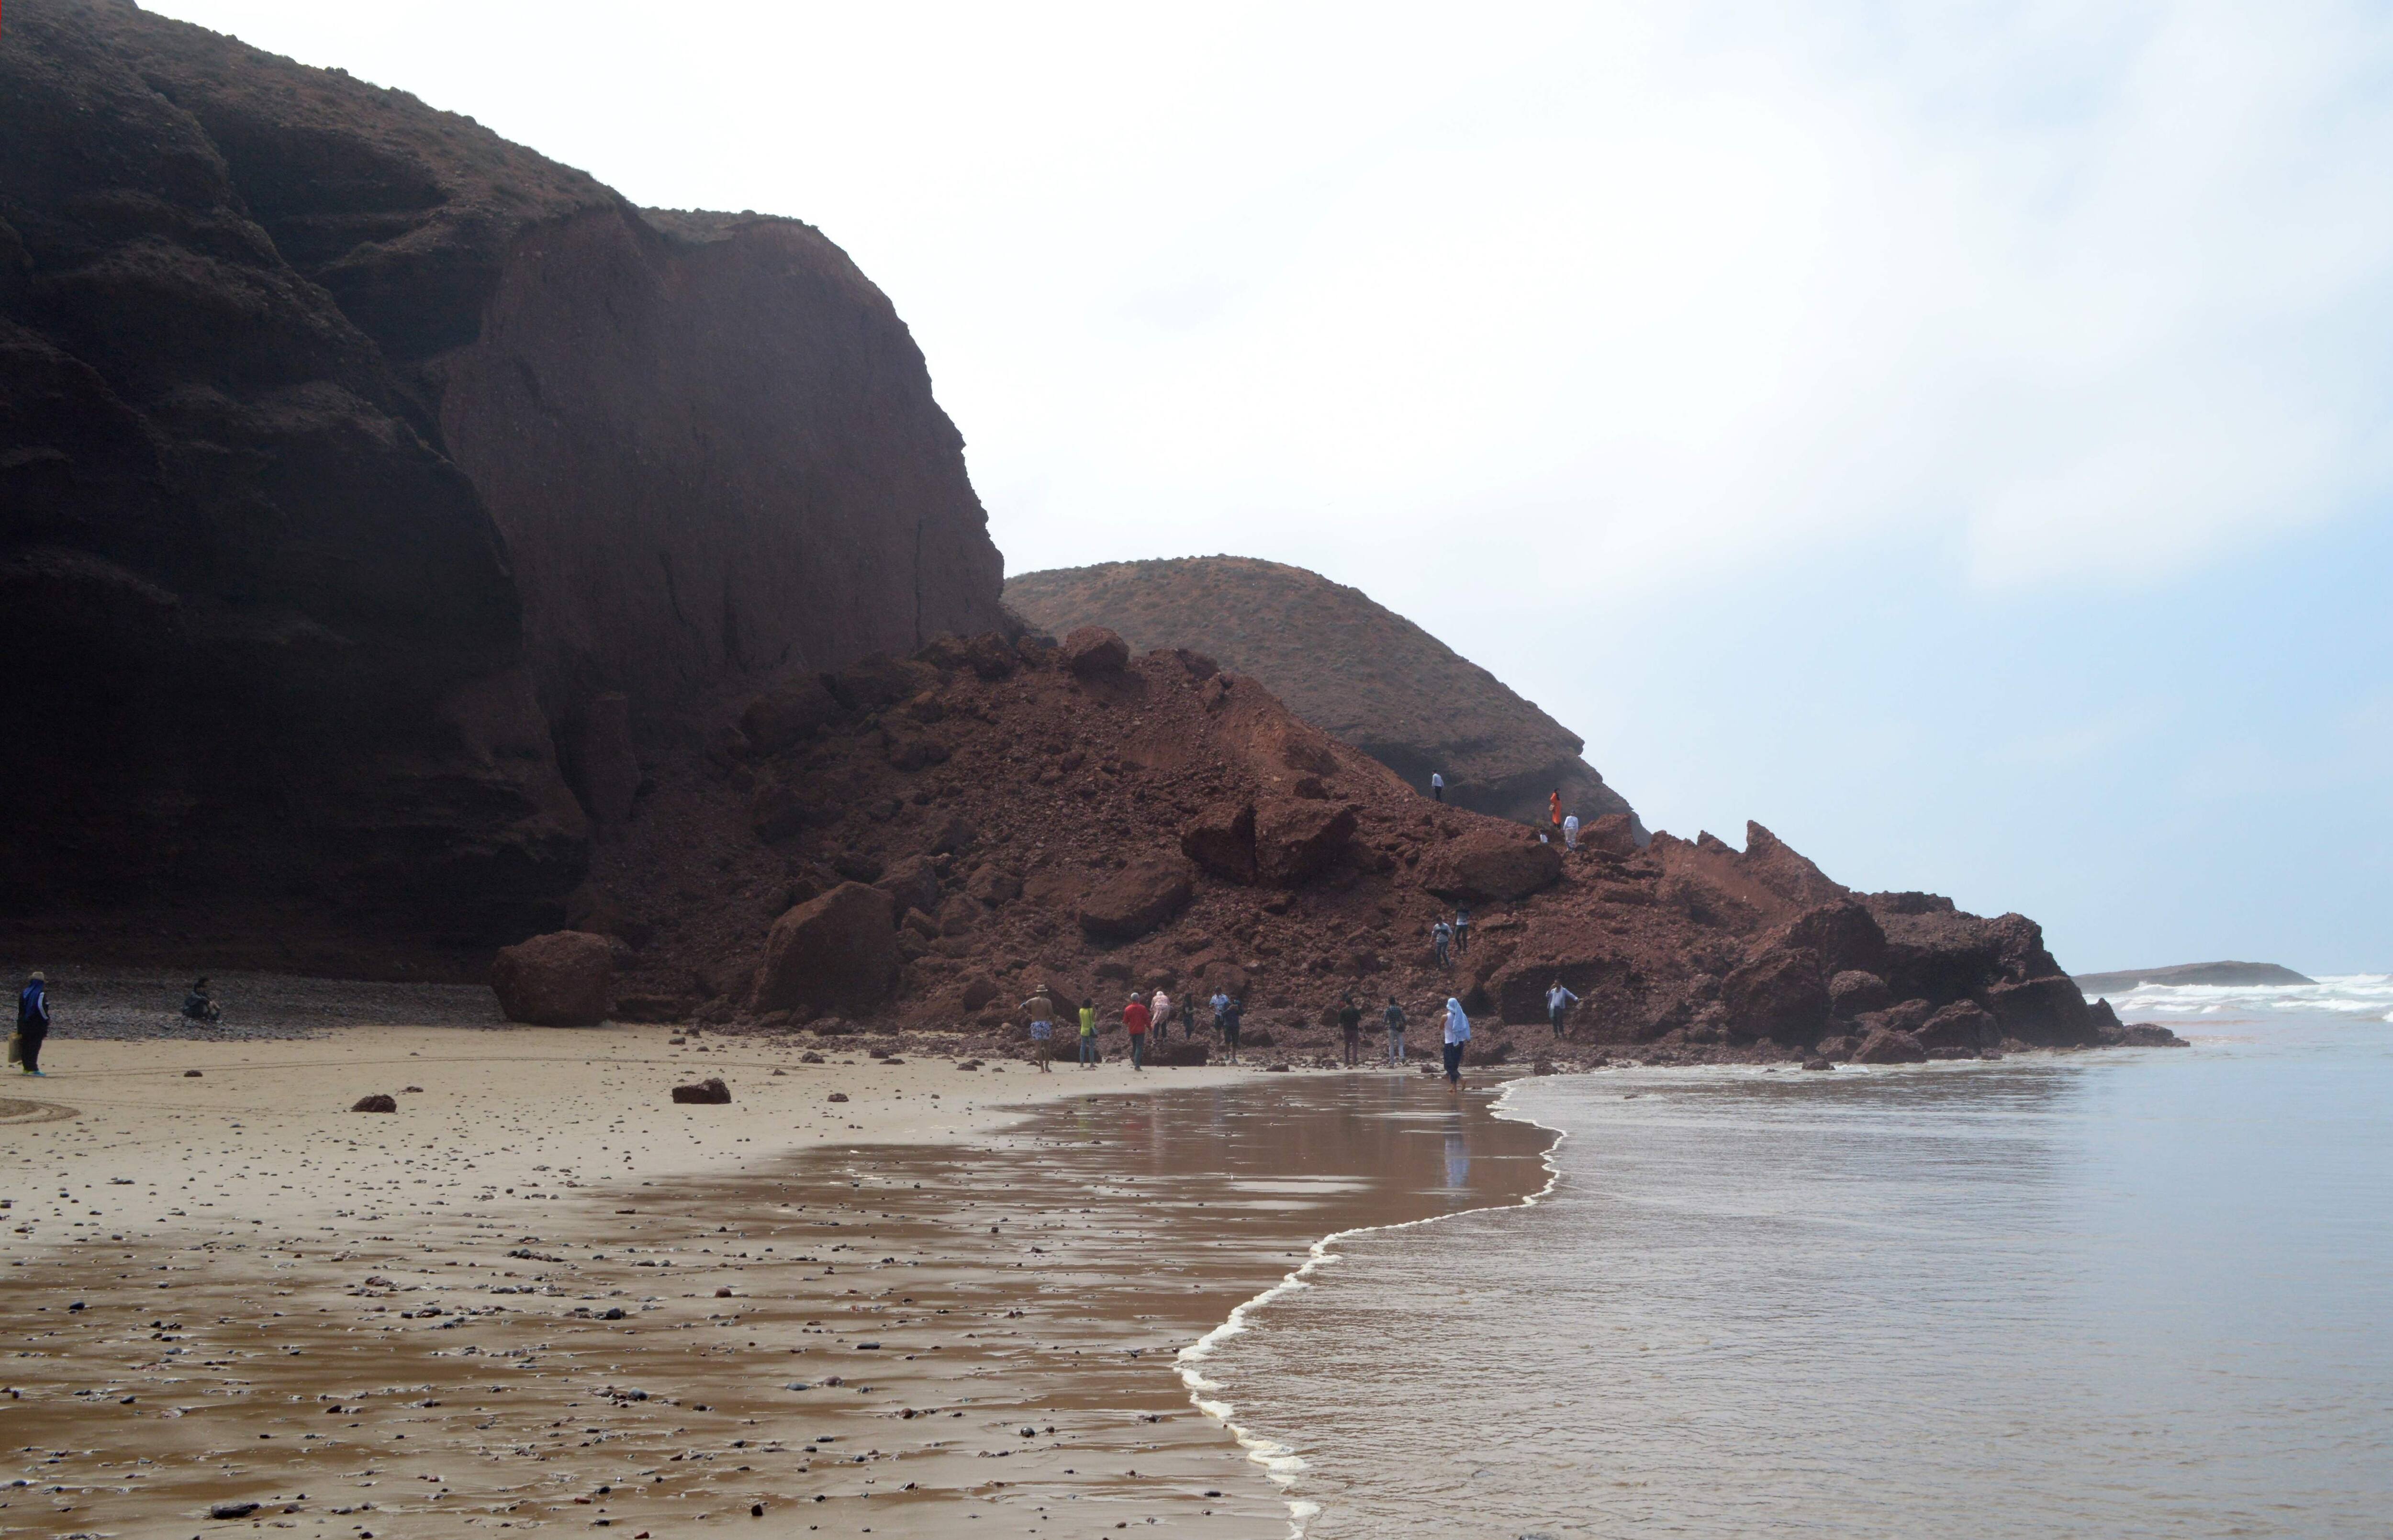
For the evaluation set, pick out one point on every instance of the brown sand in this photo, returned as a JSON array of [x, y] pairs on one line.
[[842, 1313]]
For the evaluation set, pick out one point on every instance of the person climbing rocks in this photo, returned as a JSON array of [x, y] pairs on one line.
[[1557, 1004], [1134, 1022], [1230, 1017], [1461, 929], [1554, 810], [1395, 1019], [1441, 936], [1089, 1031], [1349, 1025], [33, 1023], [1437, 786], [1457, 1036], [1570, 832], [1040, 1008], [1159, 1012], [198, 1006]]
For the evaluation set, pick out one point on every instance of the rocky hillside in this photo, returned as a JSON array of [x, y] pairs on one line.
[[925, 842], [379, 499], [1360, 672]]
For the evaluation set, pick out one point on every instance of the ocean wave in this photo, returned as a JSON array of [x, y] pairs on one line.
[[1280, 1463], [2349, 995]]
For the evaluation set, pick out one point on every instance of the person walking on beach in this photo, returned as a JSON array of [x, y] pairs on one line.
[[1457, 1037], [1461, 929], [1159, 1012], [1350, 1025], [1441, 936], [1089, 1033], [1135, 1021], [1219, 1003], [1557, 1004], [1437, 786], [1570, 832], [33, 1023], [1395, 1018], [1040, 1008], [1229, 1017]]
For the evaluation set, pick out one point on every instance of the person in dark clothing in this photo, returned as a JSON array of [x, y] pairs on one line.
[[1461, 929], [1230, 1016], [1350, 1021], [198, 1006], [1395, 1018], [33, 1023]]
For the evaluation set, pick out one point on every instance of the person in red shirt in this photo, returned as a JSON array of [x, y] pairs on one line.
[[1134, 1022]]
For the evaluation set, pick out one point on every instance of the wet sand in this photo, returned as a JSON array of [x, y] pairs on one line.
[[542, 1295]]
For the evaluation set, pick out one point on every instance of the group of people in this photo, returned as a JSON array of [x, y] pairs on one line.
[[1142, 1016]]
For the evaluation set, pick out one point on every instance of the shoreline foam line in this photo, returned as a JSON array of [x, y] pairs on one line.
[[1282, 1464]]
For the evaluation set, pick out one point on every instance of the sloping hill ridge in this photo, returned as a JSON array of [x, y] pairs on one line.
[[379, 499], [2119, 980], [1349, 665]]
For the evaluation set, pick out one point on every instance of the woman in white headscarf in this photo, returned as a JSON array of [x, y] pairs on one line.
[[1458, 1034]]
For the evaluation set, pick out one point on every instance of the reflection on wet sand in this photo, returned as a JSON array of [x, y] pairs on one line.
[[884, 1339]]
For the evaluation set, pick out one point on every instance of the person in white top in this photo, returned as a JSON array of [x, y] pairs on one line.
[[1570, 832], [1457, 1036], [1160, 1008], [1437, 786], [1557, 1004]]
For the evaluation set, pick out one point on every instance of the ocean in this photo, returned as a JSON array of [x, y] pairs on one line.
[[2133, 1292]]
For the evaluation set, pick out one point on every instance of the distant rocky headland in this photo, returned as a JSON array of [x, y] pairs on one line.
[[2121, 980], [408, 549]]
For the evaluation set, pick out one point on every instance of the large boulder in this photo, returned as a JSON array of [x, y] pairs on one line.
[[1092, 652], [1963, 1024], [566, 978], [789, 713], [1614, 832], [1221, 840], [912, 882], [1853, 992], [1296, 839], [2048, 1011], [1488, 865], [708, 1092], [1844, 934], [837, 952], [1781, 995], [1135, 900], [1891, 1048]]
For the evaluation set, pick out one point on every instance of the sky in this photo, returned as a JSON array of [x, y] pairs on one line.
[[1956, 436]]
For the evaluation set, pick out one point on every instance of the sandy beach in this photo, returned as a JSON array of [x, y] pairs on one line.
[[542, 1294]]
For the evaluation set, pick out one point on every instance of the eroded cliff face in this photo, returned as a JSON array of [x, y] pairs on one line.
[[1353, 668], [352, 460]]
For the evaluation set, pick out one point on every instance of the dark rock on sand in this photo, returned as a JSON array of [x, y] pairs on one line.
[[2141, 1034], [837, 952], [566, 978], [1963, 1026], [1780, 995], [708, 1092], [378, 1102]]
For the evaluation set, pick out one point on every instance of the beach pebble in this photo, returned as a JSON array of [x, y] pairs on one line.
[[232, 1510], [710, 1091], [839, 1096], [191, 1075], [378, 1102]]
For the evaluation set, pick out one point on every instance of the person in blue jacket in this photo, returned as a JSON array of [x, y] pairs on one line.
[[33, 1023]]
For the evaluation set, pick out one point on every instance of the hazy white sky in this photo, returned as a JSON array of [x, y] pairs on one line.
[[1955, 436]]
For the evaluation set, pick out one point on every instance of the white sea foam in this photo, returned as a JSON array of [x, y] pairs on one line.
[[1281, 1464], [2351, 996]]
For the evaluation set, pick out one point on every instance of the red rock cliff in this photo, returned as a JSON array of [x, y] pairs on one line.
[[353, 459]]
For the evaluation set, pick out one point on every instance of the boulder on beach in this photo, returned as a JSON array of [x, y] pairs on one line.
[[837, 952], [708, 1092], [378, 1102], [564, 978], [1891, 1048]]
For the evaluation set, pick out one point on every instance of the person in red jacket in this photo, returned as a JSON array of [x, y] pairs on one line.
[[1134, 1022], [1555, 809]]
